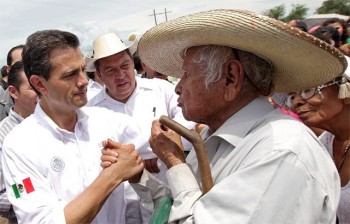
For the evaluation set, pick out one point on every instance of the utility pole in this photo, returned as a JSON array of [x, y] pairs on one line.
[[155, 15]]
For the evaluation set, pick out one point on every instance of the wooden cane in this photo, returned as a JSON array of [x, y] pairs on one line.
[[198, 144]]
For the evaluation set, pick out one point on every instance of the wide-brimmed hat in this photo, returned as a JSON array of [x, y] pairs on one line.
[[280, 98], [107, 45], [300, 60]]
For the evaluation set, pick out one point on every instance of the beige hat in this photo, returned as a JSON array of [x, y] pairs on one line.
[[300, 60], [107, 45]]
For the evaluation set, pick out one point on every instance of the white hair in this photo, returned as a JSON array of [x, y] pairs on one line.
[[258, 71]]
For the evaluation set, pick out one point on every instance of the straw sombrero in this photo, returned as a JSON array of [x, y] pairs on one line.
[[107, 45], [300, 60]]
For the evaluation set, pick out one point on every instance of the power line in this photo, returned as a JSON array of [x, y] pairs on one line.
[[155, 15]]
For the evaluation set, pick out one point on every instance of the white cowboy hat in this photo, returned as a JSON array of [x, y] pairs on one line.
[[300, 60], [107, 45]]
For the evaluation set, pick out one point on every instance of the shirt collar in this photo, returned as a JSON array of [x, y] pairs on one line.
[[48, 123], [240, 124]]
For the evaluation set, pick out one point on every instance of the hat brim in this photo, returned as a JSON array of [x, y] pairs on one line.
[[300, 60], [131, 44]]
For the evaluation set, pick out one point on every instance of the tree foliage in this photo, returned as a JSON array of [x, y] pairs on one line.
[[276, 12], [298, 12], [335, 6]]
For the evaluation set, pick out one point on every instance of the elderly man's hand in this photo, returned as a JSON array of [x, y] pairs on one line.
[[166, 144], [123, 160]]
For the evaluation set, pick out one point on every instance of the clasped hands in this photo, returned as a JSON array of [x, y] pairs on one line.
[[165, 143]]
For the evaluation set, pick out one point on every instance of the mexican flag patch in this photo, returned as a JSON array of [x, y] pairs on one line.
[[26, 185]]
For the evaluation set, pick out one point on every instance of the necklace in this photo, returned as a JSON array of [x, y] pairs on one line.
[[343, 158]]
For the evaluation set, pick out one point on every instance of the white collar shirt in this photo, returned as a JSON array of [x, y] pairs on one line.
[[150, 99], [266, 167], [61, 164], [93, 89]]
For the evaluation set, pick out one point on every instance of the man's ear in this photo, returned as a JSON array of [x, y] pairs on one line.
[[39, 83], [234, 73], [98, 73], [13, 92]]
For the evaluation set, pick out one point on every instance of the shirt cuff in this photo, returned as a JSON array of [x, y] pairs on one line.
[[181, 178]]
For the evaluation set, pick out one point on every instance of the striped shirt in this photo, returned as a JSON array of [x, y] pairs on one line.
[[6, 126]]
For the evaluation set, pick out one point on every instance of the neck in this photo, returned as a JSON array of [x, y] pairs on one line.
[[64, 119], [224, 113], [339, 126], [20, 112]]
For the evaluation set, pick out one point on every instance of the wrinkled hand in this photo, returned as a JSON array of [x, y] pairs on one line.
[[151, 165], [123, 160], [166, 144]]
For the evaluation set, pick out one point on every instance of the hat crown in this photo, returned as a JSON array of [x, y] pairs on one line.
[[108, 44]]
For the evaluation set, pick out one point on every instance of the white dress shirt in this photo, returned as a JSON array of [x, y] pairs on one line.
[[267, 168], [150, 99], [93, 89], [62, 164]]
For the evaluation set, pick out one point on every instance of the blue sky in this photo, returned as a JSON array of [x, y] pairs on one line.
[[88, 19]]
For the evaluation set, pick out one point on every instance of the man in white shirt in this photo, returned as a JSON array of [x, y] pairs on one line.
[[143, 99], [52, 173], [266, 166]]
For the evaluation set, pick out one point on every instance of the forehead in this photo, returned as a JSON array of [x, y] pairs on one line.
[[115, 58], [66, 59]]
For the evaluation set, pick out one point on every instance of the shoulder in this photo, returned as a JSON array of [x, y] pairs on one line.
[[104, 114], [155, 84]]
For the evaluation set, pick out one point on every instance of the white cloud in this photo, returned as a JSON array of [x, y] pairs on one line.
[[90, 18]]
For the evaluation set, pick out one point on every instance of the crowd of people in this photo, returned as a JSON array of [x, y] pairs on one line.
[[339, 28], [81, 140]]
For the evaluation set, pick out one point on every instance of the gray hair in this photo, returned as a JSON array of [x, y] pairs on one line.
[[258, 71]]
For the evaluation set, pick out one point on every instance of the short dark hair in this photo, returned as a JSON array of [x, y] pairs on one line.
[[14, 77], [342, 22], [327, 34], [36, 52], [4, 71], [9, 54]]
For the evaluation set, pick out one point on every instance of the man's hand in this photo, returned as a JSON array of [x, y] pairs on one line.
[[166, 144], [123, 161]]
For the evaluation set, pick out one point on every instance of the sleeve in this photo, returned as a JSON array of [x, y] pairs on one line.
[[5, 204], [274, 188], [33, 199], [127, 131]]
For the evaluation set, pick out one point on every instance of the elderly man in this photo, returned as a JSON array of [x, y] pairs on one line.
[[266, 166], [52, 173]]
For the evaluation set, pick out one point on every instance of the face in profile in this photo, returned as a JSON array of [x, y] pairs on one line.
[[25, 97], [318, 105], [198, 103]]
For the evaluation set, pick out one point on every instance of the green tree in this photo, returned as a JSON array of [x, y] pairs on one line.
[[276, 12], [335, 6], [298, 12]]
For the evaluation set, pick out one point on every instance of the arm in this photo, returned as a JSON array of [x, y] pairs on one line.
[[85, 207], [43, 205]]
